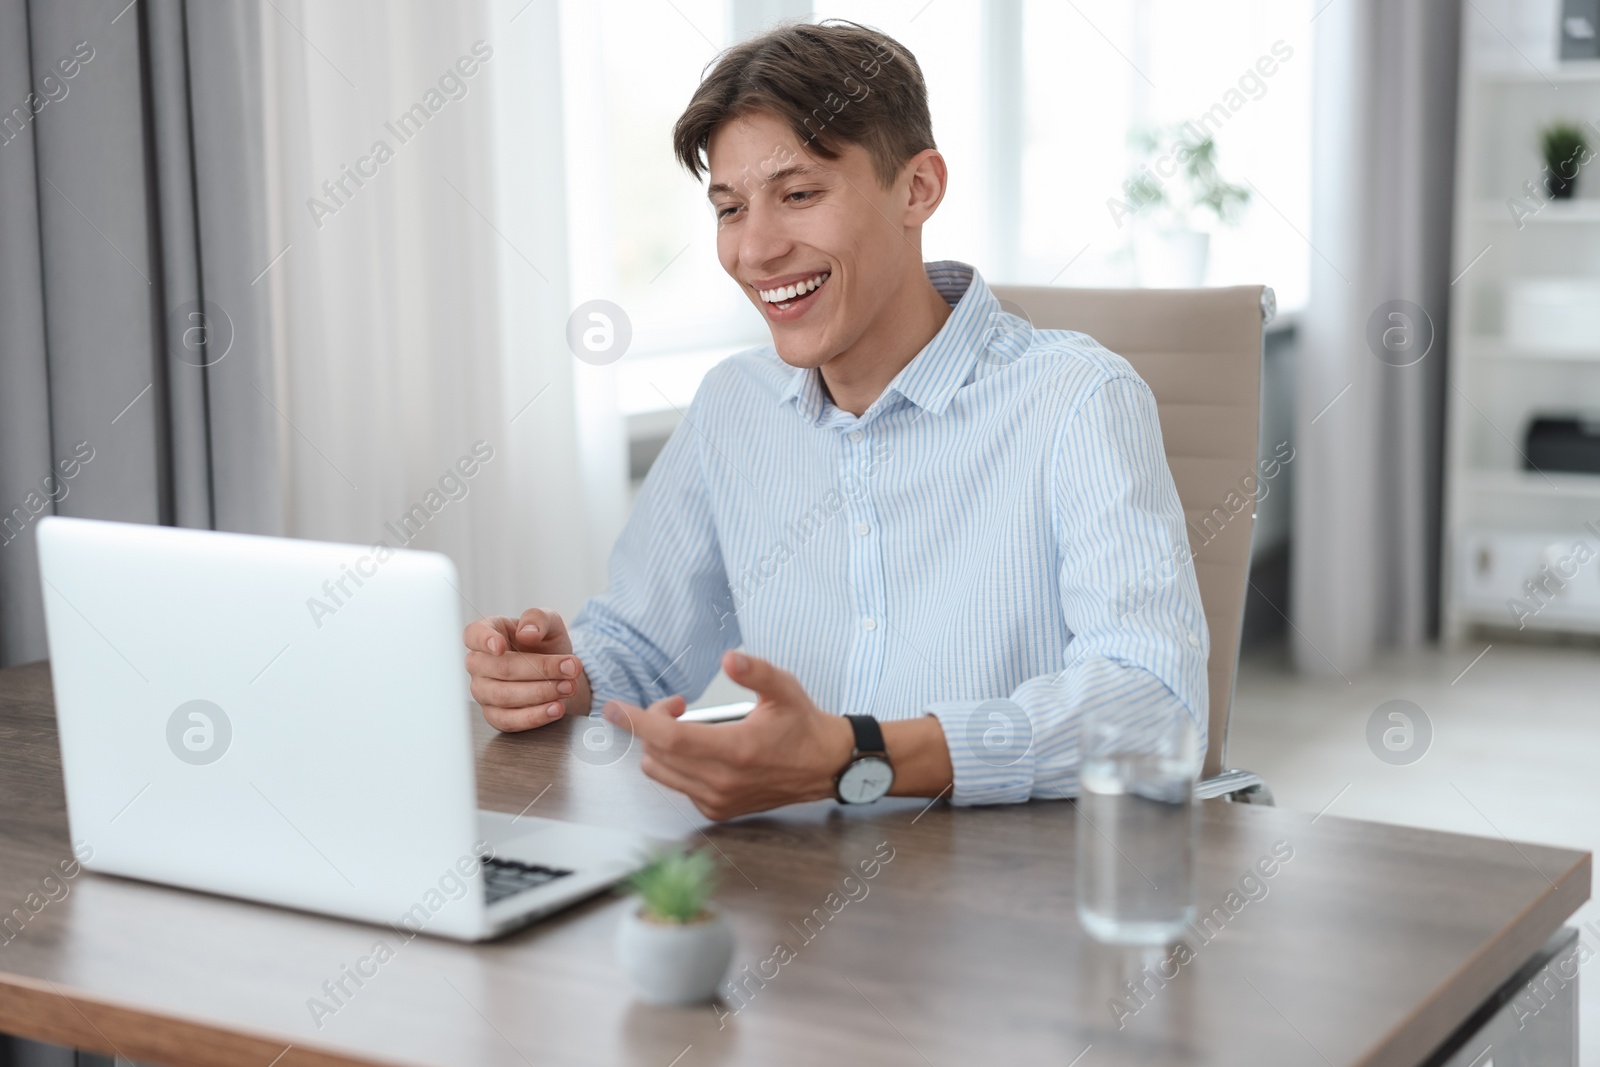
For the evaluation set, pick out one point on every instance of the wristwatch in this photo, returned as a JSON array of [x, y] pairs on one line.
[[869, 774]]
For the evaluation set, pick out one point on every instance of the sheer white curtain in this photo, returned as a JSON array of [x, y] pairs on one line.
[[422, 293]]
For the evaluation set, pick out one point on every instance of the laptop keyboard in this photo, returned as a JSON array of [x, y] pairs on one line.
[[504, 878]]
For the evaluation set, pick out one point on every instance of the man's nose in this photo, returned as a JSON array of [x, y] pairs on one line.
[[763, 239]]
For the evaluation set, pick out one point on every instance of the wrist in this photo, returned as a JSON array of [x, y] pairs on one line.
[[870, 774], [920, 756], [838, 745]]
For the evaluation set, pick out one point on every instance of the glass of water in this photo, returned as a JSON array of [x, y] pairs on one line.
[[1136, 824]]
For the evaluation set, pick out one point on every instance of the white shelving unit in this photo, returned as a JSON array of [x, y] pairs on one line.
[[1503, 522]]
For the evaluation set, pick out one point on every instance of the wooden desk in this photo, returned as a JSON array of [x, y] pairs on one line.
[[1372, 944]]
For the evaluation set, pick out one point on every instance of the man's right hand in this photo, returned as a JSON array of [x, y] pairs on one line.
[[523, 671]]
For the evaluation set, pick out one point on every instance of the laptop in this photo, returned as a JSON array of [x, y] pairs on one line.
[[288, 721]]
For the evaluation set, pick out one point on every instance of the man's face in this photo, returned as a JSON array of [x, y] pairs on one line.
[[815, 244]]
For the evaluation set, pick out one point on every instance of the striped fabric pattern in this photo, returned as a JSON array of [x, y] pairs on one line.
[[996, 541]]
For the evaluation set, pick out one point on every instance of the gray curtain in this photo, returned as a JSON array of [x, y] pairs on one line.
[[135, 357], [1366, 534]]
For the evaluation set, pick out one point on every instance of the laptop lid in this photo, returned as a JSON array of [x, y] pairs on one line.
[[267, 718]]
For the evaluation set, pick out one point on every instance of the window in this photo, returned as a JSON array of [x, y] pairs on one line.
[[1033, 102], [1098, 69], [642, 232], [664, 238]]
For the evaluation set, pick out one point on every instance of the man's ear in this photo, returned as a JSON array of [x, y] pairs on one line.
[[926, 177]]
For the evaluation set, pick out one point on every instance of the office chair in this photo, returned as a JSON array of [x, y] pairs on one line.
[[1200, 352]]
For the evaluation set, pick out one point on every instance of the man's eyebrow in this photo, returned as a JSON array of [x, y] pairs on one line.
[[793, 170]]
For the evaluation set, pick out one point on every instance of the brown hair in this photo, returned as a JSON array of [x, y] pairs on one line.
[[834, 82]]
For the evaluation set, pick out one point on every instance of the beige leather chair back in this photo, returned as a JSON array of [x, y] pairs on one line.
[[1200, 352]]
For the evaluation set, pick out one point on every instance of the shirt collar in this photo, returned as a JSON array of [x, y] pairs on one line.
[[944, 365]]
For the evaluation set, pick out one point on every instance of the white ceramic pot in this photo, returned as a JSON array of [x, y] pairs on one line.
[[1171, 259], [671, 963]]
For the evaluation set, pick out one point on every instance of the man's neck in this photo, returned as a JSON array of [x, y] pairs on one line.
[[856, 377]]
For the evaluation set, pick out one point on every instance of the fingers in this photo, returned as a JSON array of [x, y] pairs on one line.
[[536, 630], [702, 750], [674, 778], [668, 775], [622, 716], [491, 691], [538, 627], [517, 691], [700, 760], [514, 719], [491, 634], [761, 676], [656, 725], [525, 667]]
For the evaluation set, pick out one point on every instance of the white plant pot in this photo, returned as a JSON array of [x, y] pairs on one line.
[[669, 963], [1172, 259]]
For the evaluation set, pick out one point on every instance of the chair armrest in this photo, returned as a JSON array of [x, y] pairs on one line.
[[1246, 787]]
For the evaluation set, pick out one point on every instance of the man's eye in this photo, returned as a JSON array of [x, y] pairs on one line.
[[802, 193], [724, 212]]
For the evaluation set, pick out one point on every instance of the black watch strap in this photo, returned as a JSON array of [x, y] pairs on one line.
[[869, 735]]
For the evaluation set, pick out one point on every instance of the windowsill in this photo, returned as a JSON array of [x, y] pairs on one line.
[[654, 390], [1286, 321]]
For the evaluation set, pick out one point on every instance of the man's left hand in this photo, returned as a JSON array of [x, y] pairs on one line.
[[787, 750]]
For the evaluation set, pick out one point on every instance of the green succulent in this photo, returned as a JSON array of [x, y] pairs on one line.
[[676, 885]]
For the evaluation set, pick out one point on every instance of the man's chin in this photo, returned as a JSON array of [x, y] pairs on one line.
[[801, 356]]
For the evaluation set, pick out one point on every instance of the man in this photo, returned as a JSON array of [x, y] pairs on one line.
[[910, 509]]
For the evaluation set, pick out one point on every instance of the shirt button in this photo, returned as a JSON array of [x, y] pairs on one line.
[[863, 529], [1194, 642], [856, 436], [869, 624]]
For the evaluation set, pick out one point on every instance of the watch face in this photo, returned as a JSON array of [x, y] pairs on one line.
[[865, 780]]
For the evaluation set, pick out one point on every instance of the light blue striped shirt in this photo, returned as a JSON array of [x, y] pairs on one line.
[[988, 530]]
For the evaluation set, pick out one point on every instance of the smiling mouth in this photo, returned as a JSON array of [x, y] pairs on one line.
[[788, 296]]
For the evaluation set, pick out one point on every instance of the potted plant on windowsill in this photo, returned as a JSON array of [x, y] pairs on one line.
[[1566, 150], [1176, 190], [675, 945]]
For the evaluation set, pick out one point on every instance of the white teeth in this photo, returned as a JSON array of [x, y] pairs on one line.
[[790, 292]]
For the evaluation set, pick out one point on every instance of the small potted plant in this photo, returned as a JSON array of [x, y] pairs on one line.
[[1169, 245], [1565, 151], [675, 945]]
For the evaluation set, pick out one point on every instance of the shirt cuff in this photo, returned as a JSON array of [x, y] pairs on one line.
[[991, 750], [606, 681]]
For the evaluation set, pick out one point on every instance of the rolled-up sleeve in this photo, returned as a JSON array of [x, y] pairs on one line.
[[657, 630], [1128, 596]]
